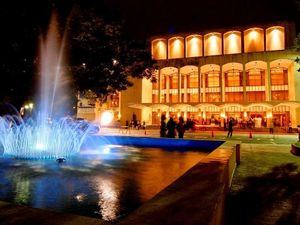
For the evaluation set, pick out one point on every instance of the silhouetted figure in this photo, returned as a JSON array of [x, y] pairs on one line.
[[171, 126], [134, 119], [180, 127], [230, 128], [163, 126]]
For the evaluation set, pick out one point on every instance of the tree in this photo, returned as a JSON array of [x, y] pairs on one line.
[[103, 58]]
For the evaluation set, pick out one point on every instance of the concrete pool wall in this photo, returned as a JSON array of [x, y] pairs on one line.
[[196, 198]]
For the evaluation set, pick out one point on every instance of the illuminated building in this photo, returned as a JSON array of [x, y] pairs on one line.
[[241, 73]]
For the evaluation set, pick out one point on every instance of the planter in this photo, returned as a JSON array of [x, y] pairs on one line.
[[295, 150]]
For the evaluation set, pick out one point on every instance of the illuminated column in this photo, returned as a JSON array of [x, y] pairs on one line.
[[293, 116], [159, 85], [268, 82], [292, 71], [244, 82], [222, 85], [167, 88], [185, 88], [203, 87], [179, 85], [199, 85], [185, 114]]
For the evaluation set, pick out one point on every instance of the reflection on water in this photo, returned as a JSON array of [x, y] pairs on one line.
[[104, 184]]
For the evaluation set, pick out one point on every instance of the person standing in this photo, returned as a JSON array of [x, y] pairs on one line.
[[230, 128], [171, 126], [180, 127], [163, 126]]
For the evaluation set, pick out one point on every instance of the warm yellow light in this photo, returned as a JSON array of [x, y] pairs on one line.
[[254, 40], [176, 48], [269, 115], [213, 44], [245, 114], [275, 38], [232, 43], [194, 46], [159, 49], [106, 118], [26, 106]]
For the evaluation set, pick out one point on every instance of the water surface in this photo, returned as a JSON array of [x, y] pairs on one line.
[[107, 183]]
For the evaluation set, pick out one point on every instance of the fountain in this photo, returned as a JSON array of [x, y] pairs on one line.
[[49, 134]]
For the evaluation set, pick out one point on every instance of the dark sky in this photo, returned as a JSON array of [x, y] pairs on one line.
[[144, 18]]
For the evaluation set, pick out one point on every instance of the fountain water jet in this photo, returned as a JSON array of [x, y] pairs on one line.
[[48, 135]]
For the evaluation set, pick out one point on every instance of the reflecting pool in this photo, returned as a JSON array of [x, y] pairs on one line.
[[108, 183]]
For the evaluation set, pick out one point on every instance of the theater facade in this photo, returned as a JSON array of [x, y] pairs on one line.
[[243, 73]]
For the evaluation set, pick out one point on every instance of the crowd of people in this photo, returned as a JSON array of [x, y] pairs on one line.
[[171, 128]]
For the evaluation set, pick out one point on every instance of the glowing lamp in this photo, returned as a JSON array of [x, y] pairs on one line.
[[106, 118]]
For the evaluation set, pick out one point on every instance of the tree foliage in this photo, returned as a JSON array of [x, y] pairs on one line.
[[102, 57]]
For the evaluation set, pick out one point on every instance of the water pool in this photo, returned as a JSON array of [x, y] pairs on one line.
[[106, 183]]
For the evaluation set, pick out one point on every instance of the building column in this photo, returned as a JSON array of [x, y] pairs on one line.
[[244, 83], [203, 87], [199, 85], [168, 89], [268, 82], [159, 85], [185, 88], [222, 84], [179, 85], [292, 71]]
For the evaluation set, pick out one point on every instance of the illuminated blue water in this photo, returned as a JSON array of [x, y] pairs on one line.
[[108, 183]]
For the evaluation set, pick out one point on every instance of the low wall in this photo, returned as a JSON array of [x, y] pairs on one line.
[[196, 198]]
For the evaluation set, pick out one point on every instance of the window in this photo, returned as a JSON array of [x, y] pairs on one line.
[[174, 82], [173, 98], [192, 80], [213, 79], [154, 98], [164, 82], [255, 77], [256, 96], [279, 76], [233, 79], [234, 96], [280, 95], [213, 97], [193, 98]]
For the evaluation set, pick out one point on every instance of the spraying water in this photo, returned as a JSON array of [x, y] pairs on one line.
[[49, 134]]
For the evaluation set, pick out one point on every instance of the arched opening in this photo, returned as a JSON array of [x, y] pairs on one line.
[[189, 89], [194, 45], [254, 40], [279, 72], [255, 81], [159, 49], [169, 85], [232, 42], [213, 44], [176, 48], [275, 38], [211, 81], [233, 82]]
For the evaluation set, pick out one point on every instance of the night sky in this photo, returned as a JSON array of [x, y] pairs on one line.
[[23, 21], [146, 18]]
